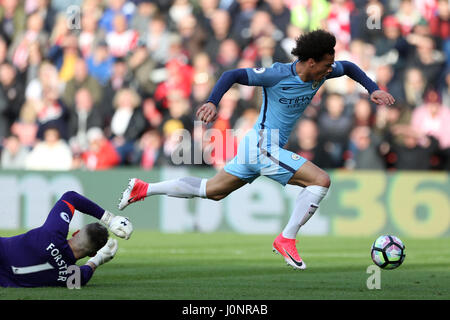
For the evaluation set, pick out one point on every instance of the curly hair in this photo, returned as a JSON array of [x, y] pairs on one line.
[[315, 44]]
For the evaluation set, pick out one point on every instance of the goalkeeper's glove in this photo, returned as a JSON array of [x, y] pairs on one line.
[[120, 226], [105, 254]]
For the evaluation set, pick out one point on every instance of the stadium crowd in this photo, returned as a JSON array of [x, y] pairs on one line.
[[96, 84]]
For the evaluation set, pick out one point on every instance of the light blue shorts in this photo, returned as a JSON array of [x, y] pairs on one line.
[[259, 154]]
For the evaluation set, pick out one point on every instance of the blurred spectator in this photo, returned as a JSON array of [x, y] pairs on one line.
[[151, 114], [364, 150], [433, 119], [414, 87], [203, 79], [90, 35], [50, 154], [178, 11], [262, 25], [12, 19], [205, 14], [34, 33], [51, 111], [65, 54], [415, 152], [280, 14], [385, 80], [3, 49], [445, 91], [11, 97], [173, 144], [100, 63], [241, 15], [81, 79], [430, 61], [228, 56], [391, 47], [179, 78], [309, 15], [25, 127], [43, 8], [179, 108], [47, 77], [14, 154], [440, 25], [150, 149], [220, 29], [101, 154], [268, 53], [84, 116], [408, 16], [334, 128], [127, 123], [386, 122], [143, 15], [158, 39], [203, 67], [113, 9], [338, 21], [362, 113], [120, 79], [121, 40], [287, 43], [141, 66], [193, 37], [35, 59], [306, 143]]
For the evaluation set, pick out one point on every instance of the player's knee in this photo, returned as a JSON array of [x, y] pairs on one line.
[[217, 197], [323, 180]]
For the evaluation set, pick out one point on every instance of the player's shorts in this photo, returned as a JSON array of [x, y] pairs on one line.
[[259, 154]]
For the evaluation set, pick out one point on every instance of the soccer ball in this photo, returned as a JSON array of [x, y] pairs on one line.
[[388, 252]]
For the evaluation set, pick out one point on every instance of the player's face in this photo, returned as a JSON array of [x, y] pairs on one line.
[[323, 67]]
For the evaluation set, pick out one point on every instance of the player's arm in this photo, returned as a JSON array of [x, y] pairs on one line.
[[247, 76], [354, 72], [208, 111], [59, 218]]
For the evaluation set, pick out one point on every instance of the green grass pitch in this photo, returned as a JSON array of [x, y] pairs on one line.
[[227, 266]]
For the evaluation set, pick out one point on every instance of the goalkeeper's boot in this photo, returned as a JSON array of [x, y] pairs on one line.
[[135, 191], [286, 247]]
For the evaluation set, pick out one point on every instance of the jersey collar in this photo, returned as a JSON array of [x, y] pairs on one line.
[[294, 73]]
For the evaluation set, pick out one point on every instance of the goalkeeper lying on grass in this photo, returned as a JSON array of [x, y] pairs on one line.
[[42, 256]]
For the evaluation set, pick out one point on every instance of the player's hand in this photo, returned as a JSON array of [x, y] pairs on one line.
[[120, 226], [106, 253], [207, 112], [382, 97]]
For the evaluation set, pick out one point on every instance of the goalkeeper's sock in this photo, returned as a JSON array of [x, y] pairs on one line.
[[187, 187], [306, 204]]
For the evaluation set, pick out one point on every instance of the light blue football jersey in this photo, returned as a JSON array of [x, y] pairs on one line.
[[285, 95]]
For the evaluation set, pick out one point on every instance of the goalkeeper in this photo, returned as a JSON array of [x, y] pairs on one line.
[[41, 256]]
